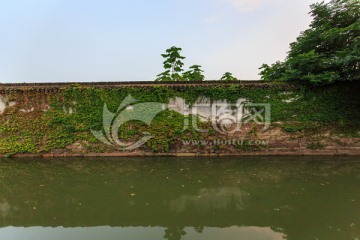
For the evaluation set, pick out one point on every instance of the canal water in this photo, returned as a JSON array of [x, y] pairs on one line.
[[249, 198]]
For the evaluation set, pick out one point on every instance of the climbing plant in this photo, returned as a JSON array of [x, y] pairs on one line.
[[299, 108]]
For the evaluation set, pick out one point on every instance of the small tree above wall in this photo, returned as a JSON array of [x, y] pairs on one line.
[[228, 77], [194, 74], [173, 65]]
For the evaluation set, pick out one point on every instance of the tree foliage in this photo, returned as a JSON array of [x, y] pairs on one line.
[[327, 52], [194, 74], [228, 77], [173, 65]]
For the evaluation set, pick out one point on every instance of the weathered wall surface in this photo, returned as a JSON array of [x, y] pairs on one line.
[[190, 119]]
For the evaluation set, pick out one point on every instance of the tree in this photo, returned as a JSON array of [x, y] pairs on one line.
[[194, 74], [173, 65], [327, 52], [273, 72], [228, 77]]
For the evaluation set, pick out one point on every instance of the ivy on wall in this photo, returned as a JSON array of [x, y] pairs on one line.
[[298, 108]]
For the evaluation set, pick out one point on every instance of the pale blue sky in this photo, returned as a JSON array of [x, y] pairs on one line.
[[109, 40]]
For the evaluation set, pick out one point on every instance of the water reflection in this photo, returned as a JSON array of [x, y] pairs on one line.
[[210, 199], [149, 233], [253, 198]]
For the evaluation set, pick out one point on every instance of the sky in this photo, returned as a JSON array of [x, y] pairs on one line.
[[118, 40]]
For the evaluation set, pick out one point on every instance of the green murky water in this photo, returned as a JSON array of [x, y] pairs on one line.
[[170, 198]]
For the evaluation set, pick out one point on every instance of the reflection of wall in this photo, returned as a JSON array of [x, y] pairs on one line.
[[210, 199], [5, 209], [96, 192], [148, 233]]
